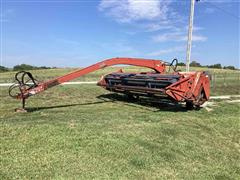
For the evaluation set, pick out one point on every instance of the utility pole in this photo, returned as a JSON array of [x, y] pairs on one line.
[[1, 33], [190, 32]]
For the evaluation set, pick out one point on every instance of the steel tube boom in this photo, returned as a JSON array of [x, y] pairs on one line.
[[156, 65]]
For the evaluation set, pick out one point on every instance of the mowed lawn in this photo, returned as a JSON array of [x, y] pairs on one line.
[[85, 132], [224, 81]]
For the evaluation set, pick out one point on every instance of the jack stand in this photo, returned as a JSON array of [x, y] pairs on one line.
[[22, 110]]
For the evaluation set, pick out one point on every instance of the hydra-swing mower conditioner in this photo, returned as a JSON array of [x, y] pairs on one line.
[[193, 88]]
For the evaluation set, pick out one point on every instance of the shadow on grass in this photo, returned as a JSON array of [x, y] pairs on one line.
[[33, 109], [150, 103]]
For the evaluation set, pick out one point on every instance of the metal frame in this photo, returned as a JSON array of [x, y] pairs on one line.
[[193, 87]]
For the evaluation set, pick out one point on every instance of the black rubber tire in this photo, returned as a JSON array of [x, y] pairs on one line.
[[189, 105], [132, 97]]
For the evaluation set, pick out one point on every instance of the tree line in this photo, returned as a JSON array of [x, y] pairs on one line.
[[23, 67], [215, 66]]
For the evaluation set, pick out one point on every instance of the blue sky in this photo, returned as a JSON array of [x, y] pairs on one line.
[[78, 33]]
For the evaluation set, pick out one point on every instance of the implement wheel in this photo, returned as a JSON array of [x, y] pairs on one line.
[[132, 97], [189, 105]]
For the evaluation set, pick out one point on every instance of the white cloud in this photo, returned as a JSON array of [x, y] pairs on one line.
[[195, 28], [177, 37], [198, 38], [167, 51], [151, 16], [165, 25], [127, 11], [167, 37]]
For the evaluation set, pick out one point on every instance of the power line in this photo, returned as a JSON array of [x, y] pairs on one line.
[[223, 10]]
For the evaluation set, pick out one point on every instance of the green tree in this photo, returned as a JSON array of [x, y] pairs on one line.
[[195, 64], [181, 64], [217, 66], [23, 67], [3, 69], [229, 67]]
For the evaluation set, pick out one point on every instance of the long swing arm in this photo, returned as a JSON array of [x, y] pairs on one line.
[[29, 89]]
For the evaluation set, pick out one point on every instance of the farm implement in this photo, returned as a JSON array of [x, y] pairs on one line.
[[193, 88]]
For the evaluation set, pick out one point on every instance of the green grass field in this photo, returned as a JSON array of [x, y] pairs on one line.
[[224, 82], [85, 132], [51, 73]]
